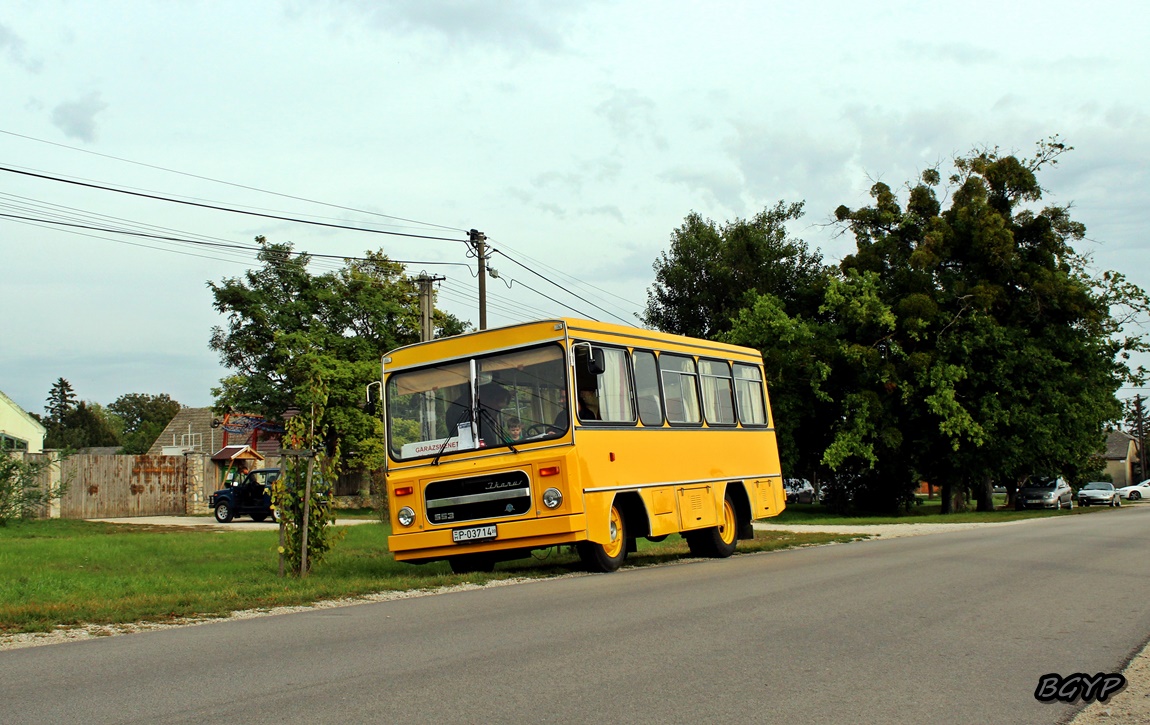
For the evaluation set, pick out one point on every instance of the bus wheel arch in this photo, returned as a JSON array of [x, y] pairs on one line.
[[720, 541], [737, 491], [607, 557]]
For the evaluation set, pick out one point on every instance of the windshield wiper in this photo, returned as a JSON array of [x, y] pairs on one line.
[[499, 431], [442, 448]]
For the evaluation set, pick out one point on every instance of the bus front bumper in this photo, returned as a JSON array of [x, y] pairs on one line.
[[523, 534]]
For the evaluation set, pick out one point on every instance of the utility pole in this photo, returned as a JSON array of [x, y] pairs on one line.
[[426, 325], [479, 244], [1138, 415], [427, 332]]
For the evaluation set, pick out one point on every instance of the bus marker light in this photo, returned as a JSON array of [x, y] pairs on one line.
[[612, 456], [549, 471], [404, 490]]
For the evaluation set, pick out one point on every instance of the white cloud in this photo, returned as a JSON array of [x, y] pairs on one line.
[[13, 47], [77, 119]]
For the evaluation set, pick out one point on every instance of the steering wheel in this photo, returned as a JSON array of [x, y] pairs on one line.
[[538, 430]]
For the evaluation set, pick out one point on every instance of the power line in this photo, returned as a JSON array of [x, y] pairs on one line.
[[561, 273], [583, 299], [218, 245], [227, 209], [229, 183]]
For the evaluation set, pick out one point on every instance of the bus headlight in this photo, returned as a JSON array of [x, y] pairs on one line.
[[552, 498], [406, 516]]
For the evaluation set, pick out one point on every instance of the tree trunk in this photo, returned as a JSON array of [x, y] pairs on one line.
[[946, 498], [959, 495], [984, 495]]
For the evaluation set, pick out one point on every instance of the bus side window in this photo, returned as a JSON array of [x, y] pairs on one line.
[[647, 387], [749, 394], [678, 374], [715, 380], [613, 387]]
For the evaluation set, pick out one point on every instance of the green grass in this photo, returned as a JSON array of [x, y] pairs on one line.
[[66, 573], [928, 512]]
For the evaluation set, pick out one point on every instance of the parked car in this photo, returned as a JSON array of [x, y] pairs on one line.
[[248, 496], [1052, 492], [1136, 492], [1099, 492], [799, 490]]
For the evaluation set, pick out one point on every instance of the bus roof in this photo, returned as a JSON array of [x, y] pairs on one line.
[[556, 329]]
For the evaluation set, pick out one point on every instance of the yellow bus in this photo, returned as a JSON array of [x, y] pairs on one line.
[[570, 432]]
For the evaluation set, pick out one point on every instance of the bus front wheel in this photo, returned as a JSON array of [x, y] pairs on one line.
[[606, 557], [720, 541]]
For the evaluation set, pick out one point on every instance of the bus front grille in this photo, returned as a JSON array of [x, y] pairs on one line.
[[479, 497]]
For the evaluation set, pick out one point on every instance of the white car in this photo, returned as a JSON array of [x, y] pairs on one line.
[[1136, 492]]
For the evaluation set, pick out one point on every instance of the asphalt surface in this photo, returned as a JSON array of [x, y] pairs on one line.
[[952, 628]]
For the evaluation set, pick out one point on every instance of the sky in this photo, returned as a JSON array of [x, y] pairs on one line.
[[575, 135]]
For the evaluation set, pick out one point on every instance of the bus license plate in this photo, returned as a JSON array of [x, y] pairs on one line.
[[474, 533]]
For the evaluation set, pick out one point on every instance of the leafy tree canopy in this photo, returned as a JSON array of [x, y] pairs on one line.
[[711, 272], [341, 322], [1006, 349], [61, 399], [964, 341], [87, 425], [142, 417]]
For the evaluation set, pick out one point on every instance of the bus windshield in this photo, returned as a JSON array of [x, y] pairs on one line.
[[517, 396]]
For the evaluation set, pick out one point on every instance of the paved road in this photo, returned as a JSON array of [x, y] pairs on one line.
[[952, 628]]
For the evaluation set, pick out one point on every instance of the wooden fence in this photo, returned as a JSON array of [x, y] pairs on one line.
[[120, 486], [114, 486]]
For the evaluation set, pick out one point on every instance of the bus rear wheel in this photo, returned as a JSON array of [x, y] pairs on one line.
[[606, 557], [720, 541]]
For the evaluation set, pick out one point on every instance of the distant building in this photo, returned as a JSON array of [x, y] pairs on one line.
[[189, 431], [19, 431], [1122, 458]]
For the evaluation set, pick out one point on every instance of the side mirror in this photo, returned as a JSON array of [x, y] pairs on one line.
[[595, 363]]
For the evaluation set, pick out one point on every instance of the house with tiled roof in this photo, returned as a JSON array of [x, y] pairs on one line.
[[190, 430], [1122, 459]]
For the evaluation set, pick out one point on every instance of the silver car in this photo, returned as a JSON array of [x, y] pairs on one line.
[[1045, 493], [1099, 492]]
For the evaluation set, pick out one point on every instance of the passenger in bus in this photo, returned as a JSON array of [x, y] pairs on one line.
[[588, 403], [514, 430], [493, 398]]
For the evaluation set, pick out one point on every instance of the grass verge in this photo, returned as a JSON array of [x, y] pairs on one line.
[[61, 573]]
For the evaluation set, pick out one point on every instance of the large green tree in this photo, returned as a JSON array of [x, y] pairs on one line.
[[341, 322], [713, 271], [1006, 351], [61, 399], [143, 417], [85, 425]]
